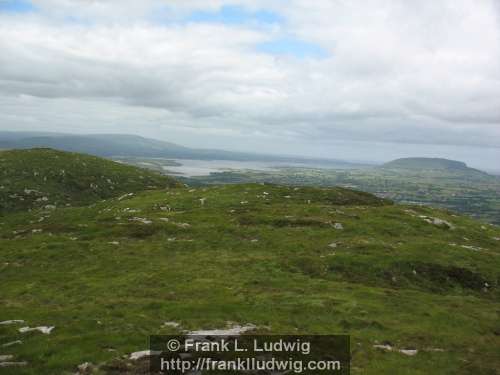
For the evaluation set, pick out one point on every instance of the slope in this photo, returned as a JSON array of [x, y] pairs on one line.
[[286, 259], [44, 177]]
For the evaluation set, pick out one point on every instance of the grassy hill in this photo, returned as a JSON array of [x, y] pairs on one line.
[[287, 259], [44, 177]]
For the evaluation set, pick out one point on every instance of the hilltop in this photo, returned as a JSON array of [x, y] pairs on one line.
[[429, 164], [415, 287], [49, 178]]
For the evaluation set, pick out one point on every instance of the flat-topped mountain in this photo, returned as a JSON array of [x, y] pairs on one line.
[[429, 164]]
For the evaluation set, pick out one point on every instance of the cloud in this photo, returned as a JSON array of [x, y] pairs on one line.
[[423, 72]]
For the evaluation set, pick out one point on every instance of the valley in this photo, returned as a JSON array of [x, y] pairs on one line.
[[466, 191]]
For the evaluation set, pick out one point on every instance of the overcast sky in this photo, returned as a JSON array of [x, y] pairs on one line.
[[363, 80]]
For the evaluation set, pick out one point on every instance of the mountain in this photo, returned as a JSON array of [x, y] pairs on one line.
[[99, 144], [416, 288], [430, 164], [115, 145], [45, 178]]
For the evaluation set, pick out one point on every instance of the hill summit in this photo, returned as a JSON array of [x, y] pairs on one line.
[[48, 178], [428, 163]]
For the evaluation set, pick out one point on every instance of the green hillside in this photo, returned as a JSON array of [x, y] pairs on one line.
[[416, 288], [44, 177]]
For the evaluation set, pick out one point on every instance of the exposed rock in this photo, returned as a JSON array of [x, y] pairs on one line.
[[13, 364], [17, 342], [43, 329], [8, 322], [143, 354], [383, 347], [333, 245], [21, 231], [438, 222], [6, 357], [31, 191], [233, 331], [389, 348], [125, 196], [338, 226], [202, 201], [141, 220], [85, 368], [172, 324], [474, 248]]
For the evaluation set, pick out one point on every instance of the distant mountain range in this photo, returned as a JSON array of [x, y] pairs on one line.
[[126, 145], [115, 145]]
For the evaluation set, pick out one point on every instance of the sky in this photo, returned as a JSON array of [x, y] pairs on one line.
[[364, 80]]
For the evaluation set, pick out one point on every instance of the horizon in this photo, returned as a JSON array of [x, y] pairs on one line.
[[351, 81], [312, 158]]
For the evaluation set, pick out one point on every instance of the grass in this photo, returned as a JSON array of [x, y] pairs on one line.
[[106, 299], [463, 190], [39, 177]]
